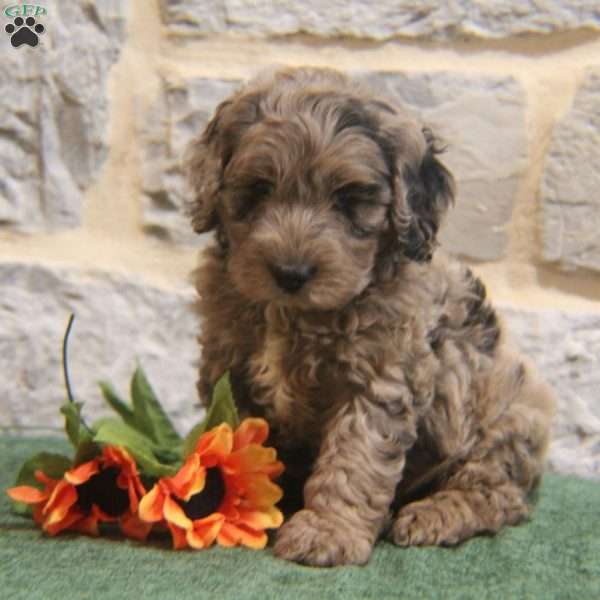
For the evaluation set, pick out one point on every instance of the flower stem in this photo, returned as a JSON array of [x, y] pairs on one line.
[[64, 359]]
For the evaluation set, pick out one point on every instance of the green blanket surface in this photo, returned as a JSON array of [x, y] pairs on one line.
[[556, 555]]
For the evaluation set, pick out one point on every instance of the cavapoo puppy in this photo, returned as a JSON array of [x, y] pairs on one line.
[[395, 401]]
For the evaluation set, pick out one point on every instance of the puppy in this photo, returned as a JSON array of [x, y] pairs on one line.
[[393, 397]]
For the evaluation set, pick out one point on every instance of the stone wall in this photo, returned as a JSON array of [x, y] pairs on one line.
[[96, 117]]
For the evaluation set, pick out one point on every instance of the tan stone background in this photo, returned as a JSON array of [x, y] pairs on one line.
[[94, 120]]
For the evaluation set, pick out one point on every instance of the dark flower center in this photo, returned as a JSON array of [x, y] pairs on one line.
[[102, 489], [207, 501]]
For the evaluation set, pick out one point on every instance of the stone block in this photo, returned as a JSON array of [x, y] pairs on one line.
[[566, 348], [381, 20], [571, 180], [55, 111]]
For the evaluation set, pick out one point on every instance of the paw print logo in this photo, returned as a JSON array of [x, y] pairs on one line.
[[24, 32]]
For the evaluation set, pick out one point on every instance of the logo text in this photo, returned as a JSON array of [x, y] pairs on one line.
[[24, 10]]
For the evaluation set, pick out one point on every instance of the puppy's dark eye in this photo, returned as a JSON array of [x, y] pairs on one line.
[[249, 196], [355, 202], [348, 196], [361, 232], [260, 188]]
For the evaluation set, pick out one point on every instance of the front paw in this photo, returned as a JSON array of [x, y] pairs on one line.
[[311, 539]]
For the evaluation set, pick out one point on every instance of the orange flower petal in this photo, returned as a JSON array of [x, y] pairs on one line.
[[215, 445], [189, 480], [151, 505], [58, 489], [230, 502], [261, 492], [204, 531], [274, 470], [128, 467], [178, 535], [232, 535], [66, 523], [132, 526], [252, 459], [251, 431], [83, 472], [133, 497], [27, 494], [87, 526], [196, 484], [43, 478], [114, 455], [174, 514], [100, 515], [139, 488], [62, 499], [226, 536], [269, 518]]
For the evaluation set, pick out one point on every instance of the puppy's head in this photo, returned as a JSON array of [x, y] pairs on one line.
[[316, 187]]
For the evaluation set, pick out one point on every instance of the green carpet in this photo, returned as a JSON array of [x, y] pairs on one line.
[[554, 556]]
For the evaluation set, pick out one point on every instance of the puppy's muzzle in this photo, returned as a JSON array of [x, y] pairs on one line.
[[292, 277]]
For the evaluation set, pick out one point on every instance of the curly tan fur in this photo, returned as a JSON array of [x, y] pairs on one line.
[[393, 396]]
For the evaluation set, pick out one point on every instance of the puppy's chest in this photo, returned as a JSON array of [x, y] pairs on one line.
[[295, 377]]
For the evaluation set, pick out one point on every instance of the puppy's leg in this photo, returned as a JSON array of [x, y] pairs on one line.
[[348, 495], [489, 489], [457, 513]]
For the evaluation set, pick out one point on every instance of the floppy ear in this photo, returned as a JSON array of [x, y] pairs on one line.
[[204, 170], [429, 192], [208, 156]]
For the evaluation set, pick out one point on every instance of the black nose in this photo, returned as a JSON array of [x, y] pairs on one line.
[[291, 278]]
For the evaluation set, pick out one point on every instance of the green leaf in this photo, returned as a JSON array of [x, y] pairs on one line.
[[147, 418], [167, 456], [72, 412], [79, 434], [87, 450], [53, 465], [222, 409], [128, 415], [189, 444], [150, 417], [117, 404], [115, 432]]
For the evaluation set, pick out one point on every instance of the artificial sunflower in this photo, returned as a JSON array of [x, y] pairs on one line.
[[223, 492], [105, 489], [214, 484]]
